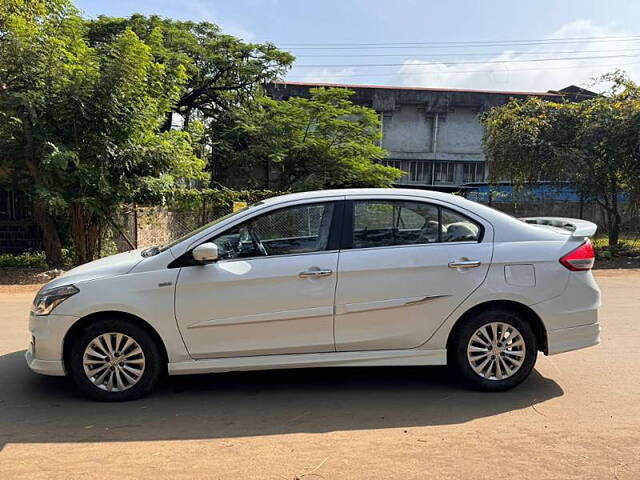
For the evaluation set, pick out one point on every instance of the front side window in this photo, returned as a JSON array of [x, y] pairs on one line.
[[291, 230], [381, 223]]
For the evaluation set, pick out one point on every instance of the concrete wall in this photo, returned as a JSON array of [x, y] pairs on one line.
[[407, 130], [460, 131]]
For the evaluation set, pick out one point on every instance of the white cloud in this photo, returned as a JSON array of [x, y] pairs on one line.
[[528, 75], [322, 75], [201, 10]]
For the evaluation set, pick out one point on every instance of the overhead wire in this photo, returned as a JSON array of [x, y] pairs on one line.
[[462, 54], [466, 44], [549, 59], [451, 72]]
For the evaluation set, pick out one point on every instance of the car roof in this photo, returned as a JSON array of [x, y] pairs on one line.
[[361, 191]]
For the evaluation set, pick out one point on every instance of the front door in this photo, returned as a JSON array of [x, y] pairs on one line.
[[409, 265], [272, 291]]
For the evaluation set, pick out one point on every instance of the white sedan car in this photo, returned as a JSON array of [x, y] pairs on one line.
[[359, 277]]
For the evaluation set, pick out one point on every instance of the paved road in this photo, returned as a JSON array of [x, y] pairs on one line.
[[577, 416]]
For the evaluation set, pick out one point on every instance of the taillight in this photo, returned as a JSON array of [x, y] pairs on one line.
[[581, 258]]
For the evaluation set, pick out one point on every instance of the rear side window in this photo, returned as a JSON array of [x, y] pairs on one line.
[[381, 223], [458, 228]]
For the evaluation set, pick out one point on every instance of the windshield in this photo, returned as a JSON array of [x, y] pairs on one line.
[[204, 227]]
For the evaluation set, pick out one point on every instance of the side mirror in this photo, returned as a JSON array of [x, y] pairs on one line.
[[205, 253]]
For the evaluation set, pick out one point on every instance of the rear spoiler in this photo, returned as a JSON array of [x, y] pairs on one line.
[[577, 227]]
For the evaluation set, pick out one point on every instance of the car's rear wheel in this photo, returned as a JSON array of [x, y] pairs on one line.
[[493, 350], [114, 360]]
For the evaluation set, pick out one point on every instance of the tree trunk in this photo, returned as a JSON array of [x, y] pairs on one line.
[[166, 126], [44, 219], [85, 231], [614, 218], [50, 239]]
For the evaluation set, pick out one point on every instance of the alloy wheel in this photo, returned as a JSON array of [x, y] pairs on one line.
[[113, 362], [496, 351]]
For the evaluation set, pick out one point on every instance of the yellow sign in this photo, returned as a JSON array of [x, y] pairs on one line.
[[239, 206]]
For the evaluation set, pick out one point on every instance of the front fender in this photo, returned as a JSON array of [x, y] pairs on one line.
[[149, 295]]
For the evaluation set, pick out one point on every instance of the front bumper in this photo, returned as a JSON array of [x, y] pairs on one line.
[[45, 367], [45, 351]]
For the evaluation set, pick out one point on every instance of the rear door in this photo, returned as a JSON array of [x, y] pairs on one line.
[[406, 266]]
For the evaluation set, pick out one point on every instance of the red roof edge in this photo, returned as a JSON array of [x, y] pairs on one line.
[[388, 87]]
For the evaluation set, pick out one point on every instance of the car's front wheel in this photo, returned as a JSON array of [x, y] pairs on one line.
[[494, 350], [114, 360]]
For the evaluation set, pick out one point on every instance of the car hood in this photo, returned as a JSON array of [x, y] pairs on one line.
[[119, 264]]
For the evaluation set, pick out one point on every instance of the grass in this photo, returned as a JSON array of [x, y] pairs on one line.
[[628, 245]]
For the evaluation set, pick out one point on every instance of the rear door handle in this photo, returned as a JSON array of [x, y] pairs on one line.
[[465, 264], [315, 273]]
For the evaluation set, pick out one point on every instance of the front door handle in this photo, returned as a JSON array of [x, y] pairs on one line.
[[465, 264], [315, 273]]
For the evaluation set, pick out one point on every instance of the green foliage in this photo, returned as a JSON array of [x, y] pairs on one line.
[[594, 145], [83, 124], [23, 260], [31, 260], [218, 200], [628, 246], [222, 71], [322, 142]]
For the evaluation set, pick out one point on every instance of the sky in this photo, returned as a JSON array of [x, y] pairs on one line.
[[498, 45]]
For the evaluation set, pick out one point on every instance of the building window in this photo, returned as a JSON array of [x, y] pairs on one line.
[[473, 172], [420, 172], [444, 173], [416, 171]]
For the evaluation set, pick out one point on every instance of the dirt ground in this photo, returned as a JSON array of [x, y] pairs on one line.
[[577, 416]]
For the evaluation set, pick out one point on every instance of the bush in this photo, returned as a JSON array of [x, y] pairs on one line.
[[32, 259], [620, 250], [23, 260]]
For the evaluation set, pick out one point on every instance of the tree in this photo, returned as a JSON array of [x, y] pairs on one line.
[[32, 55], [223, 71], [83, 124], [299, 144], [594, 145]]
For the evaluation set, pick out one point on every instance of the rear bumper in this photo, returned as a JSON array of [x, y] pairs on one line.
[[571, 318], [573, 338]]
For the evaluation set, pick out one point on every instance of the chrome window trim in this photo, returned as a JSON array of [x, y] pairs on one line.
[[263, 257]]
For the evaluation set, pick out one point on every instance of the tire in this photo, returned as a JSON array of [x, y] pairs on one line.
[[505, 366], [132, 374]]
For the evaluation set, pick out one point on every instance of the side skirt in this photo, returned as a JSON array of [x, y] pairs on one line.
[[374, 358]]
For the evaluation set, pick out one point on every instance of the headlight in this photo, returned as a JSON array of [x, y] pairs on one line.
[[47, 300]]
